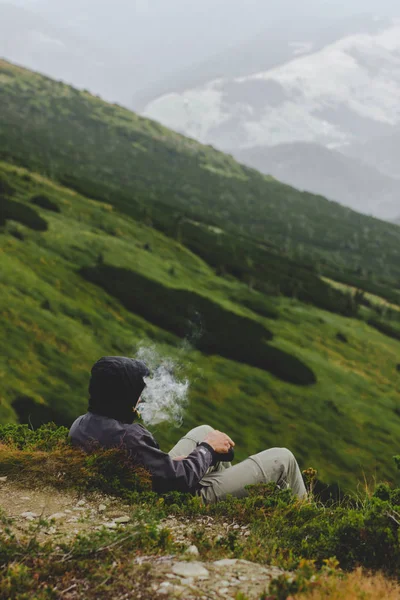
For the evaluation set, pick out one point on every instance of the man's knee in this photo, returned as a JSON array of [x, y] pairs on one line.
[[286, 457], [199, 433]]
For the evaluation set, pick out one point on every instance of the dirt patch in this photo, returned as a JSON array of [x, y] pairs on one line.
[[67, 513]]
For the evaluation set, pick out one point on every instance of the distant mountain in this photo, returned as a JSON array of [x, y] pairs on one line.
[[382, 152], [320, 170], [275, 45], [344, 93]]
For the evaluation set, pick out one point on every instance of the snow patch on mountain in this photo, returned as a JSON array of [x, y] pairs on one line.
[[345, 92]]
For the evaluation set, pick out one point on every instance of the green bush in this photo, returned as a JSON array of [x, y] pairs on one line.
[[23, 437], [16, 211], [45, 202], [385, 328]]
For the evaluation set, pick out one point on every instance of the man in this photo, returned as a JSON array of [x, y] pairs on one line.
[[198, 464]]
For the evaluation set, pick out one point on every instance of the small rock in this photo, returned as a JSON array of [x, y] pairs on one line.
[[3, 479], [165, 584], [57, 516], [225, 562], [123, 519], [223, 591], [25, 498], [190, 569], [81, 503], [187, 581], [30, 516], [78, 508], [110, 525], [67, 510], [73, 520], [224, 583], [51, 531], [102, 507], [236, 527], [192, 550]]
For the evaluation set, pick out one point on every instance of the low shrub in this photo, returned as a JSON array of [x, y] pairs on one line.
[[16, 211], [45, 202], [218, 331], [385, 328], [341, 337]]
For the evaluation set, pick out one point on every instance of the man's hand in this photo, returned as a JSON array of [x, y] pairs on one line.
[[220, 442]]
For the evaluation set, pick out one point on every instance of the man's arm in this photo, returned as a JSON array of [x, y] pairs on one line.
[[169, 475]]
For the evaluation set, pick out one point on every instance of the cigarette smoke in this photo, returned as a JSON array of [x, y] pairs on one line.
[[165, 396]]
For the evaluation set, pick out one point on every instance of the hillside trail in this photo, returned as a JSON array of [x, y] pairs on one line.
[[68, 514]]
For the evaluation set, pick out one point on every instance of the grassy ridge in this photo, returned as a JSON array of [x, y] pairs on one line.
[[142, 168], [55, 324]]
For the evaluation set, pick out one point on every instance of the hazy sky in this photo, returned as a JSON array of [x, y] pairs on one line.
[[162, 37]]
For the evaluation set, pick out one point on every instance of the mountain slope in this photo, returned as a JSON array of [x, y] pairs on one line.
[[381, 152], [347, 91], [320, 170], [54, 324], [142, 168]]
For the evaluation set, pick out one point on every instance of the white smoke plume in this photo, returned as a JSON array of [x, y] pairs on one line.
[[165, 396]]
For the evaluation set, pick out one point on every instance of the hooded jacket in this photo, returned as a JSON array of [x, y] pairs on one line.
[[115, 387]]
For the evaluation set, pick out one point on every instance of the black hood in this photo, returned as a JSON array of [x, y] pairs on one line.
[[115, 386]]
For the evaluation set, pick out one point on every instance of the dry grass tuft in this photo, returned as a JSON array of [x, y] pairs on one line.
[[355, 586]]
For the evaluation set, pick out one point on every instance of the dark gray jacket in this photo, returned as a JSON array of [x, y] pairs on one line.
[[91, 430]]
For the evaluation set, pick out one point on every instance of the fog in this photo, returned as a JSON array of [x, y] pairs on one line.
[[172, 34]]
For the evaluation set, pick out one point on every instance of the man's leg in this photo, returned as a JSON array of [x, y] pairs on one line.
[[277, 464], [189, 442]]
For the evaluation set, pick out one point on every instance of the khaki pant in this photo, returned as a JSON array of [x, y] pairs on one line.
[[276, 464]]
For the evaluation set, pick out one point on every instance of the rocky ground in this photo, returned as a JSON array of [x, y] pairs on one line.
[[63, 515]]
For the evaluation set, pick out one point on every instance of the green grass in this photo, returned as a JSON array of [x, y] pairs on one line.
[[55, 325]]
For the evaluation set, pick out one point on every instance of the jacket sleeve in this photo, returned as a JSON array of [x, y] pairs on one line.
[[167, 474]]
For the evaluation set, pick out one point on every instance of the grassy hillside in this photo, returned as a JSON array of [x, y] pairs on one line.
[[151, 173], [58, 316]]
